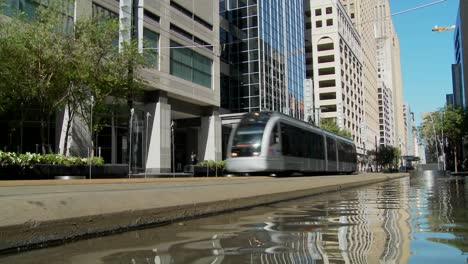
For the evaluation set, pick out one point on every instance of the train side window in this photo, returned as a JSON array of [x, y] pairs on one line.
[[331, 149], [317, 146], [275, 136]]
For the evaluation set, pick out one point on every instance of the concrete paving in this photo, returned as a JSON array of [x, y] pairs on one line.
[[54, 211]]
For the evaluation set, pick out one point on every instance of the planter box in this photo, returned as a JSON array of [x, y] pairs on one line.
[[50, 171], [201, 171]]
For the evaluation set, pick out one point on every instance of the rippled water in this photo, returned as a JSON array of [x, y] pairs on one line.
[[417, 220]]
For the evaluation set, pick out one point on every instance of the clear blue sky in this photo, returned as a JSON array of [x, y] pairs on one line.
[[426, 56]]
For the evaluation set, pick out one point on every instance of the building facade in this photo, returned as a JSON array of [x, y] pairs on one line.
[[460, 68], [263, 65], [179, 112], [333, 58], [389, 80], [386, 115], [363, 14], [409, 124]]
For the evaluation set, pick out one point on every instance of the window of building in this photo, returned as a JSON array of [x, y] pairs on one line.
[[329, 22], [325, 59], [151, 16], [318, 23], [29, 7], [326, 71], [318, 12], [327, 96], [188, 35], [190, 66], [102, 12], [151, 45], [188, 13], [325, 46], [329, 10]]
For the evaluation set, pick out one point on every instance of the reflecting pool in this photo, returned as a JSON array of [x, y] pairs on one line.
[[410, 220]]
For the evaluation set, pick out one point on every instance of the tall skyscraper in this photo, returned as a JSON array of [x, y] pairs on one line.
[[460, 68], [363, 15], [263, 53], [391, 116], [334, 54]]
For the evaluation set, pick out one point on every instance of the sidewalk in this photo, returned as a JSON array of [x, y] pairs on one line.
[[35, 212]]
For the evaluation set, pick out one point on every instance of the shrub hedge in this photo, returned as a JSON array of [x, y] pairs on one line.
[[29, 159], [220, 165]]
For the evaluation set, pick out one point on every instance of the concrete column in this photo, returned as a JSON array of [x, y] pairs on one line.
[[61, 121], [83, 9], [209, 136], [158, 158], [79, 140]]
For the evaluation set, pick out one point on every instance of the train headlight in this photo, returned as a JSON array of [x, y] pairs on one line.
[[256, 153], [234, 154]]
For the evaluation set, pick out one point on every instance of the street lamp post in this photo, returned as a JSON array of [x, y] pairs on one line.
[[91, 134], [132, 111], [442, 143], [435, 141], [317, 112], [440, 29], [148, 115], [173, 150]]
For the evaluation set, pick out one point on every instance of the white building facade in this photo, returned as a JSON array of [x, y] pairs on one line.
[[333, 59]]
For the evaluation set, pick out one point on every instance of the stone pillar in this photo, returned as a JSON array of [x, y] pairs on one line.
[[79, 139], [158, 158], [61, 121], [209, 136], [83, 9]]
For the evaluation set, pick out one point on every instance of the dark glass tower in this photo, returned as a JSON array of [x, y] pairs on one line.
[[264, 48]]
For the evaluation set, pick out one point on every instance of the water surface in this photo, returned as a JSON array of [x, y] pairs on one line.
[[417, 220]]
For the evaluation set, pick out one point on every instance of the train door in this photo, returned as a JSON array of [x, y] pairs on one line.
[[324, 166], [332, 164]]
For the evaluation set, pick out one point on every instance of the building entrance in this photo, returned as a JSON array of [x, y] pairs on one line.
[[185, 142]]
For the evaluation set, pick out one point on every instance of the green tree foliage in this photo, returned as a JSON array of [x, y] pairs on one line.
[[387, 156], [444, 129], [32, 54], [99, 70], [330, 125], [44, 66]]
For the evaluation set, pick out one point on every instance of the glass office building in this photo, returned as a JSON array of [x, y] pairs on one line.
[[264, 48]]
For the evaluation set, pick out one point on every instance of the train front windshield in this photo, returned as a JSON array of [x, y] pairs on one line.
[[247, 141]]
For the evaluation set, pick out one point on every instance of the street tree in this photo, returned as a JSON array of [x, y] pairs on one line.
[[330, 125], [32, 54], [44, 66], [454, 122], [444, 130], [386, 156], [101, 71]]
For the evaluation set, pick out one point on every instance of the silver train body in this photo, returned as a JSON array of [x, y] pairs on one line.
[[273, 143]]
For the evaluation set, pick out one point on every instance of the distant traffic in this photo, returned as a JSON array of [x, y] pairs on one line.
[[275, 144]]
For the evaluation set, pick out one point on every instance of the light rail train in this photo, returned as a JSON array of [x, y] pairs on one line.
[[275, 144]]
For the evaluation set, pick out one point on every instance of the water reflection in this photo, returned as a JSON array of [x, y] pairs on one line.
[[422, 220], [438, 207]]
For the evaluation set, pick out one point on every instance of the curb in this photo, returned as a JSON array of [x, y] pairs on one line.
[[38, 233]]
